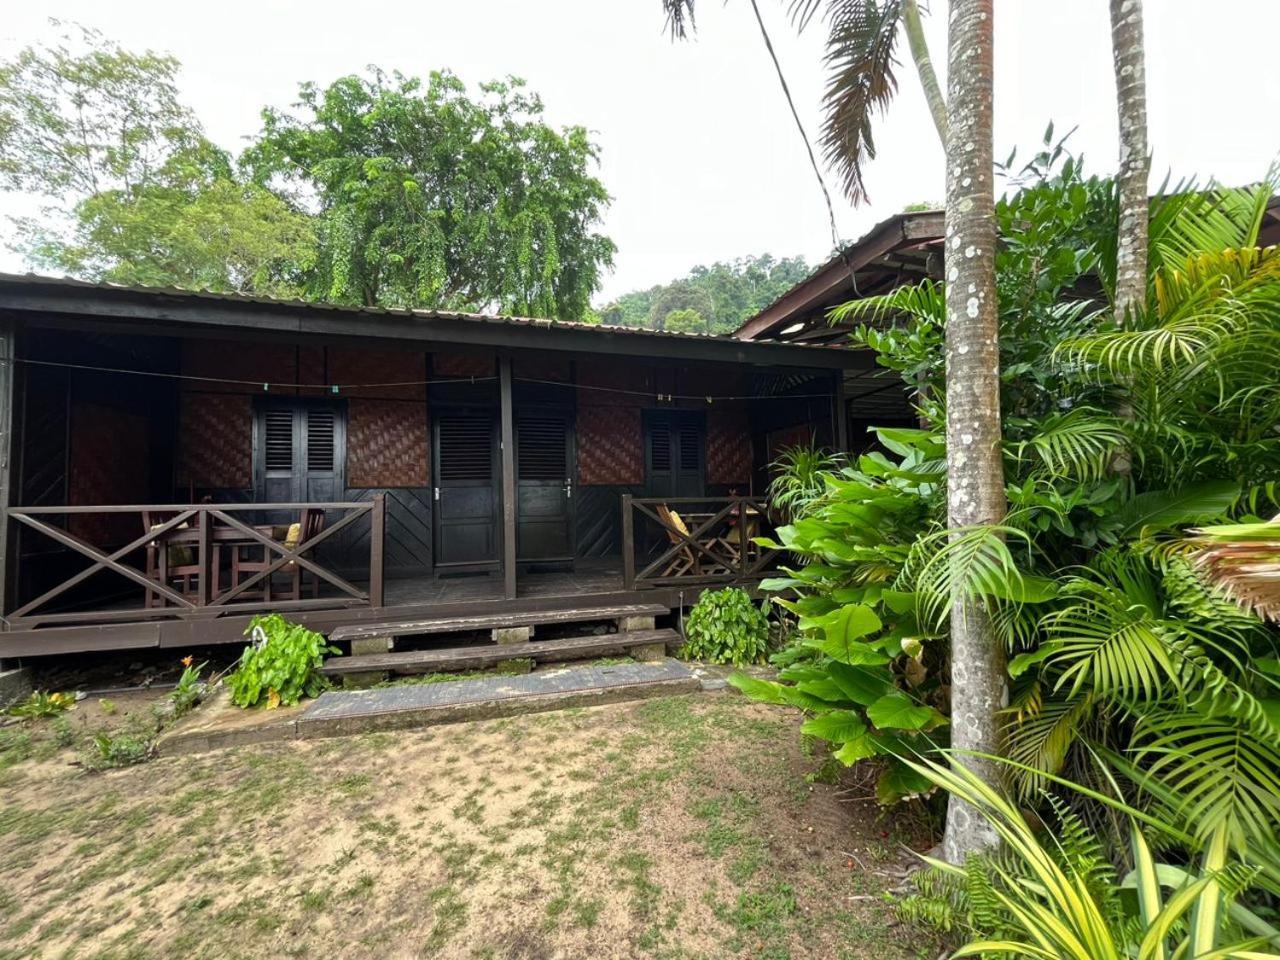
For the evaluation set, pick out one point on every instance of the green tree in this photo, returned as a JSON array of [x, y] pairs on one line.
[[861, 37], [131, 189], [685, 321], [683, 297], [429, 198]]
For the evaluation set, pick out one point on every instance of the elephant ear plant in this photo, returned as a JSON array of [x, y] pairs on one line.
[[281, 665]]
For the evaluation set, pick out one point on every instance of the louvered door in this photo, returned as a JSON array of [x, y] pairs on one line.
[[675, 454], [467, 503], [299, 453], [544, 487]]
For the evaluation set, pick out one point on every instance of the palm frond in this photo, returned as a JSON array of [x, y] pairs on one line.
[[966, 563], [1079, 444], [1243, 560], [860, 44], [925, 300], [1041, 742], [1219, 773], [680, 17]]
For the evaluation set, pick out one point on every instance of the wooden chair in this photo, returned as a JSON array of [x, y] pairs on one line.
[[686, 561], [245, 565], [183, 565]]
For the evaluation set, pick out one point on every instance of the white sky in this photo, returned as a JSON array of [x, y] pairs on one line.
[[698, 149]]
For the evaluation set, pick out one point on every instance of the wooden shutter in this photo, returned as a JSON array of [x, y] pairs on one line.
[[320, 439], [466, 448], [541, 448], [278, 440], [660, 448], [690, 440]]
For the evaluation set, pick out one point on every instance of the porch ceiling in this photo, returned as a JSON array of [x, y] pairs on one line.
[[77, 304]]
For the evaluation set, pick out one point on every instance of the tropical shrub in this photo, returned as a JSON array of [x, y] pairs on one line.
[[1131, 671], [725, 626], [799, 478], [281, 665], [1057, 896]]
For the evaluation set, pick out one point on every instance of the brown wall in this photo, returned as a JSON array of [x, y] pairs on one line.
[[387, 443]]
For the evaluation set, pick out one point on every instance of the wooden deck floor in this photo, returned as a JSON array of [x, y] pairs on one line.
[[586, 577]]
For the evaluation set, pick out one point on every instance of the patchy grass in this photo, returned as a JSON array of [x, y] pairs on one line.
[[678, 828]]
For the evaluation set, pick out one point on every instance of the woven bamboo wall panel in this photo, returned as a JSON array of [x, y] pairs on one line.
[[257, 363], [728, 447], [610, 446], [349, 365], [386, 444], [216, 442], [108, 463], [313, 367], [795, 436], [615, 376], [462, 365]]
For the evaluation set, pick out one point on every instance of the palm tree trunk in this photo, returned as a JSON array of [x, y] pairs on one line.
[[1135, 160], [924, 67], [975, 473]]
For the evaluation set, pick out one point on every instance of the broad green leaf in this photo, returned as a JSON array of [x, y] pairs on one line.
[[855, 749], [836, 726], [861, 685], [897, 711]]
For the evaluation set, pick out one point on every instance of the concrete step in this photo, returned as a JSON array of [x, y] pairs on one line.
[[646, 644], [337, 713], [390, 629]]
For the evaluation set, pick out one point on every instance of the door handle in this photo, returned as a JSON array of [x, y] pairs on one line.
[[436, 493], [568, 489]]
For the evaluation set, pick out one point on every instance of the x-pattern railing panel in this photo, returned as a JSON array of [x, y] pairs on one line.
[[232, 531], [703, 545]]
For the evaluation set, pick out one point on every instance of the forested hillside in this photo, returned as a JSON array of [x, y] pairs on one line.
[[714, 299]]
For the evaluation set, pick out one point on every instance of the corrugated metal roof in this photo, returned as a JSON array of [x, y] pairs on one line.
[[34, 279]]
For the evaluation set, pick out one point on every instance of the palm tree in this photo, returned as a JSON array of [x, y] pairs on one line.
[[861, 38], [1135, 161], [975, 471]]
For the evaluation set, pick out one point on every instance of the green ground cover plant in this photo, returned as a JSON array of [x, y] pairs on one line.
[[726, 626]]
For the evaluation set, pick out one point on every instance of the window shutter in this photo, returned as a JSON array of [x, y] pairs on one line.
[[466, 448], [541, 448], [660, 448], [320, 441], [690, 447], [278, 427]]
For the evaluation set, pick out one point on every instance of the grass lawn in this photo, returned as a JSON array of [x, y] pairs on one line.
[[674, 828]]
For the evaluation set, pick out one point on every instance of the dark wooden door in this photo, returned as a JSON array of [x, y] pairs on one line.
[[544, 486], [675, 454], [467, 501], [299, 452]]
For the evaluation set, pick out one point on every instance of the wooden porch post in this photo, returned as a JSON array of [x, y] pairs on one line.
[[628, 544], [377, 543], [839, 413], [7, 452], [508, 480]]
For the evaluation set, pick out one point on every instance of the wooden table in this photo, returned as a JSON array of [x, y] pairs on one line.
[[220, 535]]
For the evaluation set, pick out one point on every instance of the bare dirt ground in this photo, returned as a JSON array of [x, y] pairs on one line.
[[685, 827]]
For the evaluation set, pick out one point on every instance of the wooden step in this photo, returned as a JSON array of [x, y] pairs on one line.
[[489, 655], [502, 621]]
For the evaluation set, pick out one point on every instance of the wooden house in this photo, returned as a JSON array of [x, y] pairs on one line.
[[175, 462]]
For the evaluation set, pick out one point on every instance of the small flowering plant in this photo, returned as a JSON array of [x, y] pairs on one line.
[[189, 689]]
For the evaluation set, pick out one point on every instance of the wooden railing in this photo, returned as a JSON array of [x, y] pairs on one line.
[[712, 542], [203, 529]]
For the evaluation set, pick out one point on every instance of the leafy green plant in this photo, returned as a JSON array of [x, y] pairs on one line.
[[189, 689], [281, 665], [725, 626], [122, 749], [799, 478], [1057, 897], [41, 703]]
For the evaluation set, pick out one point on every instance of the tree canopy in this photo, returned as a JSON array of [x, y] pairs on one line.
[[428, 197], [723, 295], [377, 190]]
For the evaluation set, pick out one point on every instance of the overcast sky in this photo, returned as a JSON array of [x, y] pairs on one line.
[[697, 147]]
